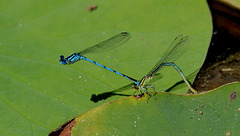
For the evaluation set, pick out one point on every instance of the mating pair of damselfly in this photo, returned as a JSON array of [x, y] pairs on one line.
[[173, 52]]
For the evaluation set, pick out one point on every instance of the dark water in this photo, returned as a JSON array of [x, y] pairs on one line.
[[222, 63]]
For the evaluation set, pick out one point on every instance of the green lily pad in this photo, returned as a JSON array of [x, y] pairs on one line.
[[37, 94], [213, 113]]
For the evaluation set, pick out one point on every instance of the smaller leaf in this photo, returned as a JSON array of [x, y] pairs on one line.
[[213, 113]]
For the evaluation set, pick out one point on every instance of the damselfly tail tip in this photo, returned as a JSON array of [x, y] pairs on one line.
[[135, 87], [62, 60]]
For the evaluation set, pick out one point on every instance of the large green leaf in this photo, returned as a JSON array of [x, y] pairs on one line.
[[212, 113], [37, 94]]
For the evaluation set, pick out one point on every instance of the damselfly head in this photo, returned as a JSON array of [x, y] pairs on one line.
[[61, 57], [62, 60]]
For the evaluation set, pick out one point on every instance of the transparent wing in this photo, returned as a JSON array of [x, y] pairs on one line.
[[113, 42], [174, 51]]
